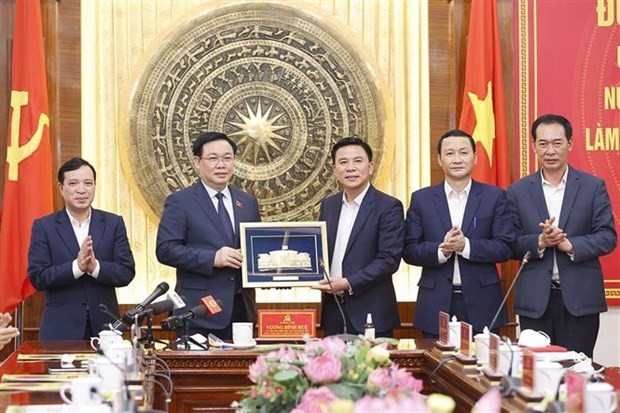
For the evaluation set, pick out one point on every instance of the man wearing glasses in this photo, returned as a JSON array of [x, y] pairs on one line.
[[199, 235]]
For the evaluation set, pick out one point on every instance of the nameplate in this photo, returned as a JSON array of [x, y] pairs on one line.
[[286, 324]]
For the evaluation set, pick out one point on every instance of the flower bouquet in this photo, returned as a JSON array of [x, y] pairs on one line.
[[330, 375]]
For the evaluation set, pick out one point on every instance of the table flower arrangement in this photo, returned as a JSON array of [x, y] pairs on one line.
[[330, 375]]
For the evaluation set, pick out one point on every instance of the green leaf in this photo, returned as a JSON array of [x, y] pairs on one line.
[[346, 391], [285, 375]]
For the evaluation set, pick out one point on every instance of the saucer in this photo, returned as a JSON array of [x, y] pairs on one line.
[[242, 346]]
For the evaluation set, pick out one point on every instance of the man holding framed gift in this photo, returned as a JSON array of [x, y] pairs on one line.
[[199, 235], [365, 235]]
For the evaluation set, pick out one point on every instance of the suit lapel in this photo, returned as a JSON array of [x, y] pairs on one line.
[[368, 204], [473, 202], [570, 194], [238, 212], [65, 231], [441, 206], [96, 229], [204, 201], [538, 196]]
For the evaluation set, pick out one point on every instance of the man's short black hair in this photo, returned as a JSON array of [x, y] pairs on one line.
[[456, 133], [550, 119], [74, 164], [207, 137], [351, 140]]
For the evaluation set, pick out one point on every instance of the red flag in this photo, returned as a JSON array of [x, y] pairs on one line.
[[28, 169], [483, 114]]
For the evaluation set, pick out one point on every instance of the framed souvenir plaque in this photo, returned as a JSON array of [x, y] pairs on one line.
[[283, 254]]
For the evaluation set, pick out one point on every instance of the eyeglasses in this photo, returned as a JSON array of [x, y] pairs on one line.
[[214, 160]]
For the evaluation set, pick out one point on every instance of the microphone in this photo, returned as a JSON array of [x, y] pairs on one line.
[[525, 260], [345, 336], [128, 317], [207, 307], [104, 309], [509, 384], [172, 321]]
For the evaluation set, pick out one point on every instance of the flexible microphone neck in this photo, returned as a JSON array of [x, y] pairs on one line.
[[331, 286], [525, 260]]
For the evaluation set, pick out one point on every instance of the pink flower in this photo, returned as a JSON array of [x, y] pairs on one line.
[[258, 369], [491, 402], [334, 345], [406, 381], [315, 401], [379, 379], [368, 404], [324, 369]]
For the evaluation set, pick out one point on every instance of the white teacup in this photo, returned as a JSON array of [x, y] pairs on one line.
[[547, 376], [243, 334], [110, 373], [106, 337], [600, 398], [454, 334], [482, 347], [85, 391], [532, 338], [120, 353], [506, 354]]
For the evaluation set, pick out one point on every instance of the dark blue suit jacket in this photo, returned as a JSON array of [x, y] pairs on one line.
[[487, 224], [371, 258], [586, 217], [190, 233], [53, 247]]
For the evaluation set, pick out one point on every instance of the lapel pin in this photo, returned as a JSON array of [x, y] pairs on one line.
[[239, 204]]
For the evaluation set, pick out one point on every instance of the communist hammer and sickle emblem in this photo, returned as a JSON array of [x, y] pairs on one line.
[[15, 153], [287, 318]]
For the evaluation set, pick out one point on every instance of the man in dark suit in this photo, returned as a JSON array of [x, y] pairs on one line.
[[365, 238], [564, 219], [458, 231], [199, 236], [78, 256]]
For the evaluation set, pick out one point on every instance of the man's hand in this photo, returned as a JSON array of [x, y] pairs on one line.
[[550, 236], [566, 246], [5, 319], [228, 257], [339, 284], [85, 258], [453, 241]]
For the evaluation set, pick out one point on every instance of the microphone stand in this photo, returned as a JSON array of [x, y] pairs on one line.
[[345, 336], [149, 340], [525, 260], [186, 339]]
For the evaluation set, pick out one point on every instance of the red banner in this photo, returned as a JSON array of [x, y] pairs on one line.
[[484, 114], [567, 61], [28, 170]]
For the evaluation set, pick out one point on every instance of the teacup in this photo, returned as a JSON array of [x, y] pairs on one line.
[[111, 374], [600, 398], [106, 337], [482, 347], [506, 355], [243, 334], [85, 391], [120, 353], [547, 377]]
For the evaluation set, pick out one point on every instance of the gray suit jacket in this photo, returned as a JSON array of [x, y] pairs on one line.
[[586, 217]]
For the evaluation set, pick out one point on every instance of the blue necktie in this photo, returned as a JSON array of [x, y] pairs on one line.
[[225, 218]]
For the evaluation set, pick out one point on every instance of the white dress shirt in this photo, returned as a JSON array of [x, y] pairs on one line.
[[457, 201], [80, 229], [227, 199], [348, 213], [554, 195]]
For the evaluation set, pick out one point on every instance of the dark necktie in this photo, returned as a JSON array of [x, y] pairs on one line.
[[225, 218]]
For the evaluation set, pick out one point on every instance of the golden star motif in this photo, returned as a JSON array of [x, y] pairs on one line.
[[258, 131], [485, 120]]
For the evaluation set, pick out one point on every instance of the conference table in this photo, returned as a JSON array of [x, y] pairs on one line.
[[209, 381]]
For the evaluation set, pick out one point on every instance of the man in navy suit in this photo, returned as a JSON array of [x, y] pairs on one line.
[[564, 219], [365, 240], [78, 256], [458, 231], [199, 236]]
